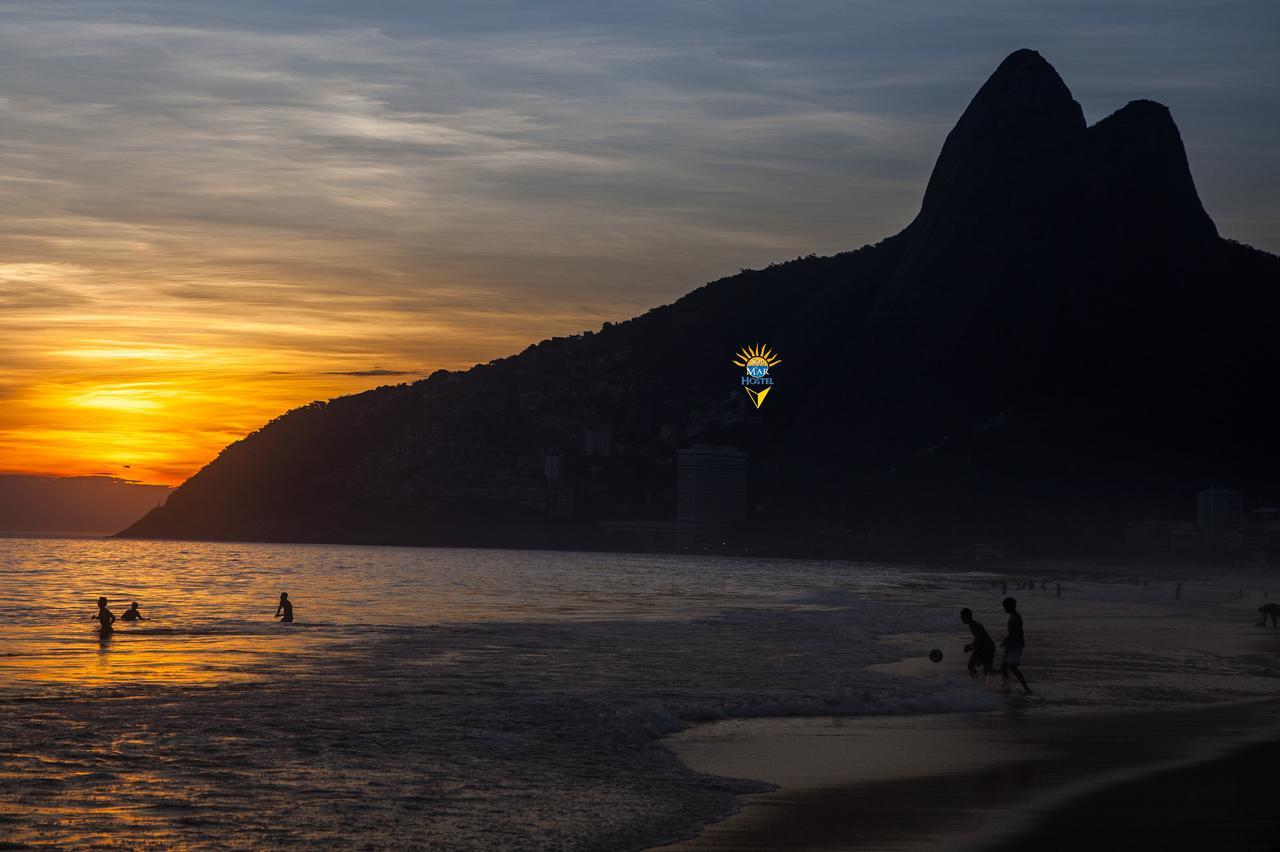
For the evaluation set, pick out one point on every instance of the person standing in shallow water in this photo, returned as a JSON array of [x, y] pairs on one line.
[[982, 647], [105, 618], [285, 607], [1013, 645], [132, 614]]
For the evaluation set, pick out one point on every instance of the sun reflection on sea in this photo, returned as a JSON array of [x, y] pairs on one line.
[[141, 656], [208, 607]]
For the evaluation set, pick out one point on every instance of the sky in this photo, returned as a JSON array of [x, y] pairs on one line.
[[214, 212]]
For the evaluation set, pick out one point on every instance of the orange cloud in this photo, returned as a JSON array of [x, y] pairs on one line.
[[144, 418], [152, 387]]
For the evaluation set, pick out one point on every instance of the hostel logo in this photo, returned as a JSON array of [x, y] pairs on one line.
[[757, 360]]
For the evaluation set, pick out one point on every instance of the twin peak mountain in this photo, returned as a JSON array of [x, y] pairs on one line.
[[1058, 344]]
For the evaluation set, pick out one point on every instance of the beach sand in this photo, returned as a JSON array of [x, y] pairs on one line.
[[1157, 726], [1179, 779]]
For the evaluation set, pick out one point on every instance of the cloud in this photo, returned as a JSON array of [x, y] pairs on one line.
[[375, 372], [202, 196]]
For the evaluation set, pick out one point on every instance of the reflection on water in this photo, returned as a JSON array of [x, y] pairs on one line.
[[208, 607], [459, 697]]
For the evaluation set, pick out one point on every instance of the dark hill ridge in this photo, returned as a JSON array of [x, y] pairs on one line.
[[1058, 343]]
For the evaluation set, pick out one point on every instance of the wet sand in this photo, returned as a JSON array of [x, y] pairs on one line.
[[1228, 803], [1016, 779]]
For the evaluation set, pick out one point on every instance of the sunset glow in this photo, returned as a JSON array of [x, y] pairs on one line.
[[385, 462], [206, 220], [102, 378], [157, 412]]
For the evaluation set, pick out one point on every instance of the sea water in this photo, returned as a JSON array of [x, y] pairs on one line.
[[483, 699]]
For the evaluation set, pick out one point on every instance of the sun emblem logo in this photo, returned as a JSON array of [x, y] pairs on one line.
[[757, 360]]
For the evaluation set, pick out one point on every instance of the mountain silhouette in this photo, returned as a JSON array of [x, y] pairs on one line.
[[1059, 343]]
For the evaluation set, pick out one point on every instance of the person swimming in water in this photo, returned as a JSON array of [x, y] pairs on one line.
[[105, 618], [285, 607], [132, 614]]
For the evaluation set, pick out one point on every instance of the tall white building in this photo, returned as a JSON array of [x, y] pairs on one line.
[[711, 487], [1220, 512]]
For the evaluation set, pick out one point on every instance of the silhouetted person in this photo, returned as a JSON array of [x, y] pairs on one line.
[[1013, 645], [285, 607], [1059, 585], [106, 618], [1271, 611], [1177, 594], [132, 614], [983, 647]]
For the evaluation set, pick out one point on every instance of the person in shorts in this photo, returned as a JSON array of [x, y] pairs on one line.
[[1013, 645], [982, 650]]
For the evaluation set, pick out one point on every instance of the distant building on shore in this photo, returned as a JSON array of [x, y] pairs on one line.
[[551, 465], [597, 442], [1220, 514], [711, 487]]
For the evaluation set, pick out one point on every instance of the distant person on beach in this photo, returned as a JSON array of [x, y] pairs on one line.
[[132, 614], [1271, 611], [285, 607], [1013, 645], [105, 618], [982, 649]]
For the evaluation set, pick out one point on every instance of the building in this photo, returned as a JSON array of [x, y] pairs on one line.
[[1220, 514], [597, 442], [551, 465], [711, 487]]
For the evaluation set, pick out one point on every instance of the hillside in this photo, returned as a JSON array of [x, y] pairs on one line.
[[1059, 343], [73, 505]]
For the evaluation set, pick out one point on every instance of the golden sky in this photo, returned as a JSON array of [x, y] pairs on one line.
[[108, 378], [213, 212]]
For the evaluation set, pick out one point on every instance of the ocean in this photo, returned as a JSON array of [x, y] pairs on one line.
[[487, 699]]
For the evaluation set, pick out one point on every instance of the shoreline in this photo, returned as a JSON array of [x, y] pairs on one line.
[[1151, 562], [1000, 781], [1042, 566]]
